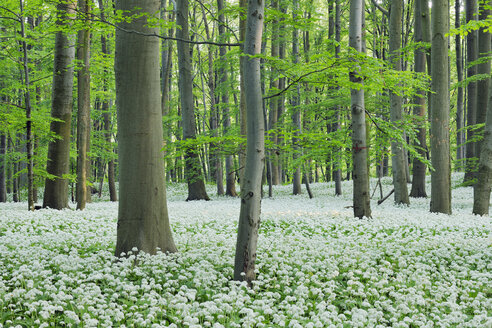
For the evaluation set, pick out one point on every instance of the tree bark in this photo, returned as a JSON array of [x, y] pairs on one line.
[[143, 220], [481, 192], [483, 69], [194, 178], [337, 171], [84, 108], [27, 97], [296, 111], [440, 159], [460, 122], [396, 103], [224, 81], [419, 168], [56, 189], [3, 168], [249, 217], [471, 110], [361, 200]]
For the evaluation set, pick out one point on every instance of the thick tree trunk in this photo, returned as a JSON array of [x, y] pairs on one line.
[[56, 189], [483, 69], [242, 101], [223, 78], [361, 200], [419, 168], [471, 108], [481, 194], [143, 220], [194, 178], [249, 217], [396, 103], [84, 108], [440, 159]]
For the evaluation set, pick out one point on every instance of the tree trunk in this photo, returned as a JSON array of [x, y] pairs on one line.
[[396, 103], [84, 108], [419, 168], [194, 178], [56, 189], [460, 122], [471, 108], [223, 78], [27, 97], [113, 196], [441, 161], [481, 192], [3, 167], [483, 69], [249, 217], [361, 200], [337, 171], [143, 220], [296, 111], [242, 101], [273, 114]]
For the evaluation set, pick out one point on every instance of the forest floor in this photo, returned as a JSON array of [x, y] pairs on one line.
[[316, 266]]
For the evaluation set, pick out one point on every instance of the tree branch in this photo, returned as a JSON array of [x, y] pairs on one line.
[[294, 83], [384, 11]]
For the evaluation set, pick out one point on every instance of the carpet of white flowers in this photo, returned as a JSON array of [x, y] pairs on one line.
[[316, 267]]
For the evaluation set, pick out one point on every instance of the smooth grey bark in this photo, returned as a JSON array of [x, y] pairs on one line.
[[440, 126], [337, 172], [249, 216], [113, 196], [83, 108], [460, 110], [242, 101], [296, 111], [143, 220], [224, 81], [419, 168], [471, 103], [483, 69], [361, 200], [481, 191], [396, 105], [56, 190], [274, 103], [3, 168], [27, 97], [194, 178]]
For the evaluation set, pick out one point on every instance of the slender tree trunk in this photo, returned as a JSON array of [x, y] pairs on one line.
[[84, 107], [361, 200], [441, 161], [481, 194], [223, 78], [143, 220], [249, 217], [27, 96], [460, 122], [296, 114], [273, 114], [471, 110], [396, 104], [337, 172], [3, 167], [419, 168], [56, 189], [194, 178]]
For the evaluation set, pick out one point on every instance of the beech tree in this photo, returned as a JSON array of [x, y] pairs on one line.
[[361, 200], [196, 185], [143, 220], [56, 187], [249, 216], [440, 151]]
